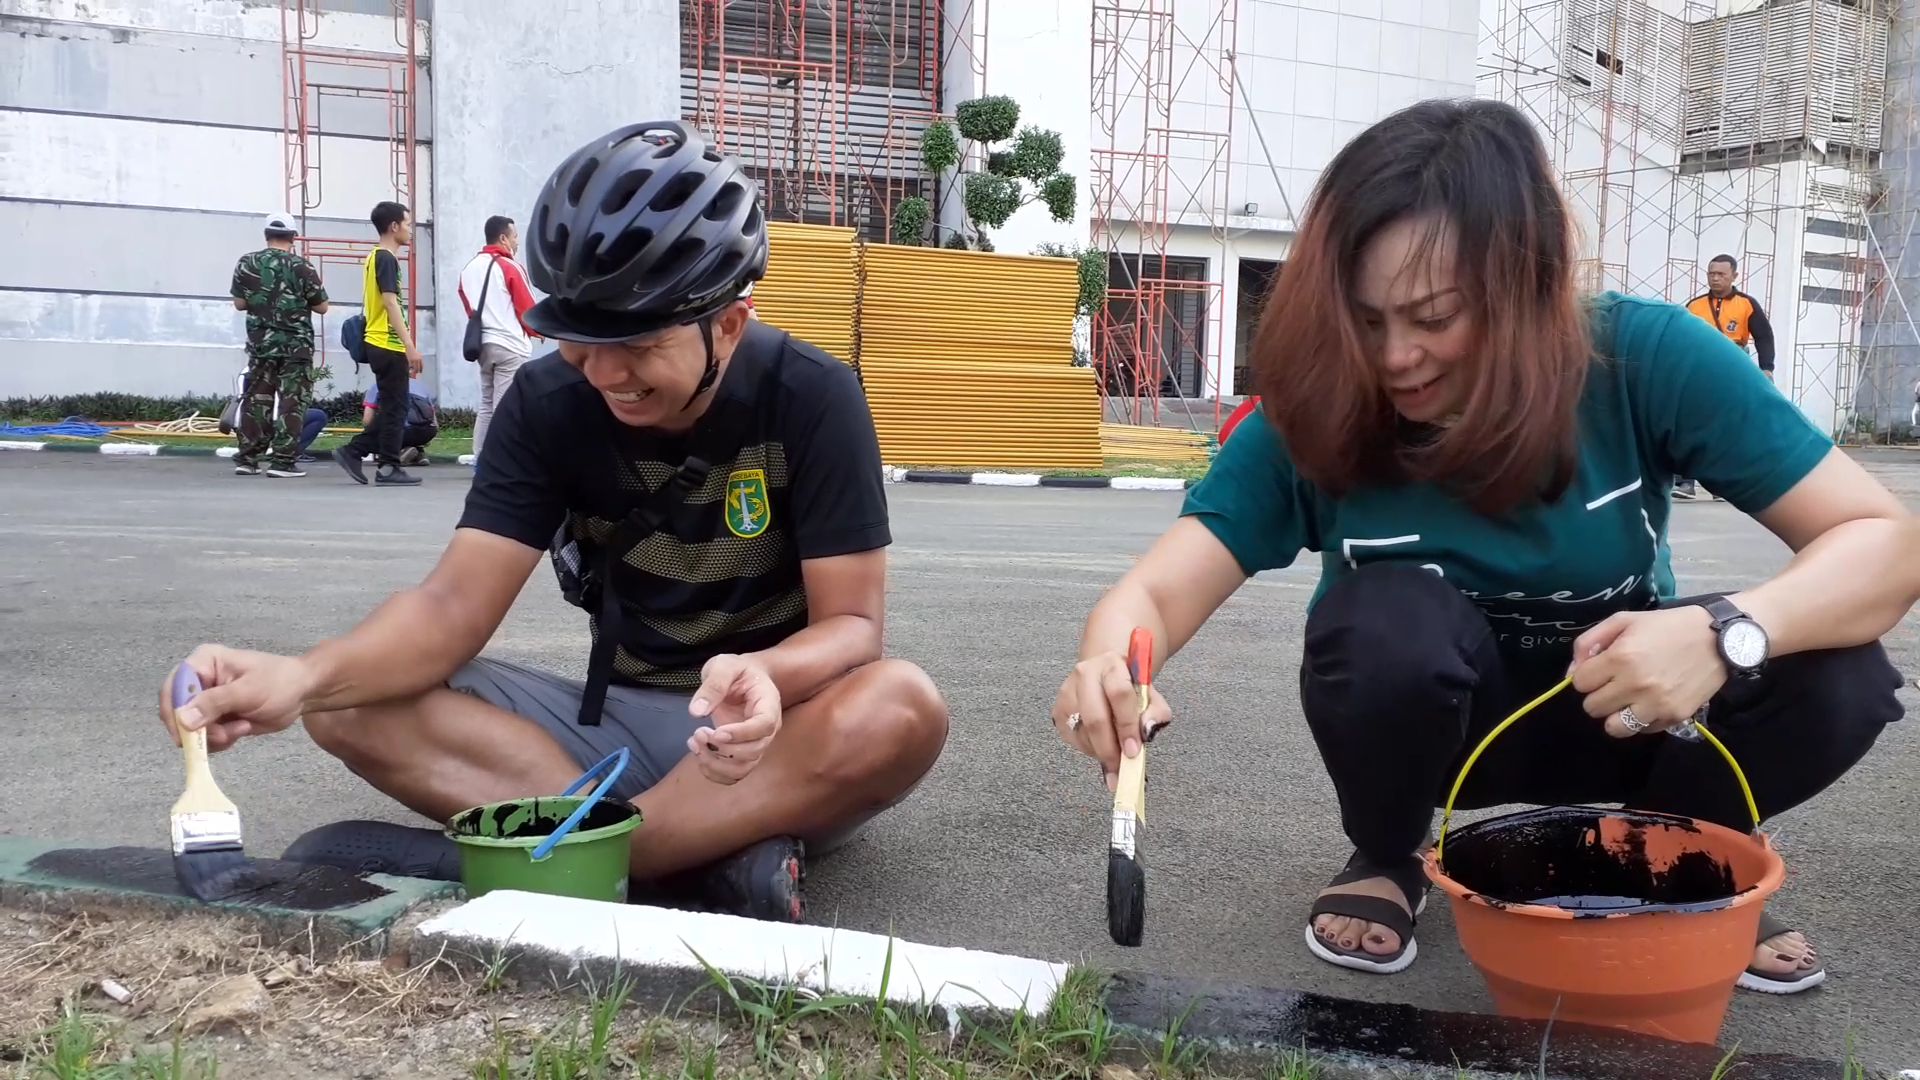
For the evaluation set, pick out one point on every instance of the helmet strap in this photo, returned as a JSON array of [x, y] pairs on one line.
[[713, 365]]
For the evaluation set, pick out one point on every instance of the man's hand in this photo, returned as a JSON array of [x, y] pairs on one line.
[[1662, 664], [415, 363], [243, 693], [740, 700]]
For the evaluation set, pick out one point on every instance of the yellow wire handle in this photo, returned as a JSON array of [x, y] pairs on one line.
[[1439, 849]]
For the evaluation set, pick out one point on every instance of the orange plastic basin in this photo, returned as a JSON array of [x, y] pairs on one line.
[[1647, 923]]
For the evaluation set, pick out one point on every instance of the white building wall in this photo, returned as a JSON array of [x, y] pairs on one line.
[[1038, 53], [506, 121], [140, 148], [1246, 152]]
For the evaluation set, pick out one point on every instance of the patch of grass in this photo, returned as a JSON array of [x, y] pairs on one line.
[[80, 1046]]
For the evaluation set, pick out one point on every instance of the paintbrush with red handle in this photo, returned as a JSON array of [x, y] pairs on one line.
[[1126, 878]]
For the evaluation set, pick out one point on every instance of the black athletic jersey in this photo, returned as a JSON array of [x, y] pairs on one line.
[[722, 574]]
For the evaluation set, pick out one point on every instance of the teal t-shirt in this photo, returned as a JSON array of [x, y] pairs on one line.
[[1669, 396]]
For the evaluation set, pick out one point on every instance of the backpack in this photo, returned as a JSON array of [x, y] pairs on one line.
[[353, 338]]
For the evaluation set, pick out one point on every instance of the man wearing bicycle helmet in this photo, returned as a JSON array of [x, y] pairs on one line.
[[709, 490]]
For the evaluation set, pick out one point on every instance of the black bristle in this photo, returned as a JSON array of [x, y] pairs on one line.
[[1126, 898], [213, 874]]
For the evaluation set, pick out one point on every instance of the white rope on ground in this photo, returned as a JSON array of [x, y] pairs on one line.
[[192, 425]]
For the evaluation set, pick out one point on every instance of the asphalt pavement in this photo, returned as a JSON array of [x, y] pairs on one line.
[[112, 569]]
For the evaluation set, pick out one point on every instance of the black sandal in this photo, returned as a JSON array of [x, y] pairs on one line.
[[1804, 977], [1410, 877]]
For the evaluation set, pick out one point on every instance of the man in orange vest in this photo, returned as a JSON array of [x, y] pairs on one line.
[[1738, 316]]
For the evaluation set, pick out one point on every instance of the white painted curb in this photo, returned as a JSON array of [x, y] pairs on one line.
[[1003, 479], [1148, 483], [819, 958], [466, 459], [16, 444], [130, 449], [894, 473], [227, 452]]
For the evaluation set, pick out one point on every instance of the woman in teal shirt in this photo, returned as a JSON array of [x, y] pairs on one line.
[[1483, 460]]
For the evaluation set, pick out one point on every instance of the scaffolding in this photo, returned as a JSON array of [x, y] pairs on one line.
[[1681, 132], [1163, 106], [825, 103], [314, 77]]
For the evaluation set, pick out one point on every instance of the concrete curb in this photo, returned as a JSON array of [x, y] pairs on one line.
[[670, 956], [897, 475], [51, 876], [1369, 1039], [117, 449], [894, 474], [667, 953]]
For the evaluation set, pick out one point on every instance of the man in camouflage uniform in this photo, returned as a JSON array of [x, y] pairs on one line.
[[280, 292]]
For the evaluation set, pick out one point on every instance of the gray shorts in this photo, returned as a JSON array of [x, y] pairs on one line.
[[653, 725]]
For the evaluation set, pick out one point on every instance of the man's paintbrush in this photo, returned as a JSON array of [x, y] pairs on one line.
[[207, 856], [1126, 878]]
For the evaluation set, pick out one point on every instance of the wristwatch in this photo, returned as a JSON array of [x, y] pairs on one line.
[[1743, 642]]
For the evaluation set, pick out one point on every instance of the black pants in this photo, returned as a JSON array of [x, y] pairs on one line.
[[1402, 678], [382, 437]]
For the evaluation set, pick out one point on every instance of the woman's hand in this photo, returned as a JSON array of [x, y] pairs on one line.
[[1664, 665], [1101, 697], [242, 693]]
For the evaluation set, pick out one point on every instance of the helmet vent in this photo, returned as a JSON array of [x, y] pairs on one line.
[[726, 202], [684, 250], [623, 189], [677, 191], [556, 247], [625, 248], [578, 185]]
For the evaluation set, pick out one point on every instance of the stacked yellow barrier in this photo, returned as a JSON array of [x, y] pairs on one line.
[[968, 360], [1133, 442], [811, 285]]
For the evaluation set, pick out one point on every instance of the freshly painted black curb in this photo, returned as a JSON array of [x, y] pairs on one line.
[[914, 476], [1255, 1019], [1076, 481]]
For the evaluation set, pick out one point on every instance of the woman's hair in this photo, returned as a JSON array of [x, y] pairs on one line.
[[1477, 175]]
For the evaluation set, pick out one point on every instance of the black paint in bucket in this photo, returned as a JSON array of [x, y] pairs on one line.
[[535, 819], [1556, 856]]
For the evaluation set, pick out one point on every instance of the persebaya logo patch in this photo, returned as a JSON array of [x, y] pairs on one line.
[[748, 512]]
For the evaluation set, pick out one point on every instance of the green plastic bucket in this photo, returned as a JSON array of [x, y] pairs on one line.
[[563, 845]]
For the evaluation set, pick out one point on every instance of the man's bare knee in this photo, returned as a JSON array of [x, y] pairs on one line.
[[342, 733], [885, 731], [367, 734]]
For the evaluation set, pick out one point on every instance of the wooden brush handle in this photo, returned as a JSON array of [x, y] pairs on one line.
[[1130, 789]]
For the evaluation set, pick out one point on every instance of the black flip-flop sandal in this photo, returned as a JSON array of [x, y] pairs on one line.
[[1804, 977], [380, 847], [1410, 877]]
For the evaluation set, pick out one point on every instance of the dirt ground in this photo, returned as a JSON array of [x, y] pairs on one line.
[[110, 996], [261, 1008]]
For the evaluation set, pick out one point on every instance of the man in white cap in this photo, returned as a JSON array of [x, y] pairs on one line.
[[280, 291]]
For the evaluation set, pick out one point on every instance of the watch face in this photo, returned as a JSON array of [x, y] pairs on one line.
[[1745, 644]]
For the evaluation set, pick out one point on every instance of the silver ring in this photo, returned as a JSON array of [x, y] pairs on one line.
[[1631, 722], [1073, 722]]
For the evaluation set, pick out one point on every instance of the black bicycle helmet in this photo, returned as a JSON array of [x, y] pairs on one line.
[[647, 227]]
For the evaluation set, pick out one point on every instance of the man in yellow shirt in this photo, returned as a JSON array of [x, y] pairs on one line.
[[390, 352], [1737, 315]]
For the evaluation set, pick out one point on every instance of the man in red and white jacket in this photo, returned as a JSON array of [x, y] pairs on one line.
[[505, 341]]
